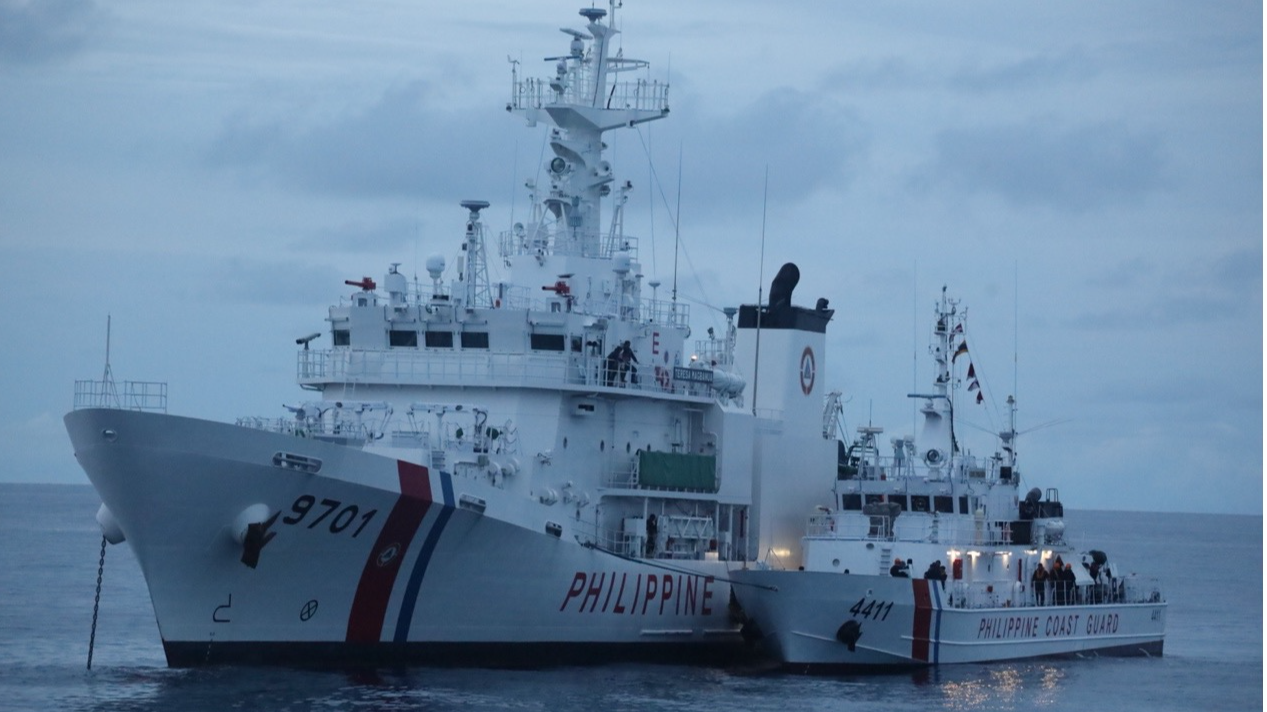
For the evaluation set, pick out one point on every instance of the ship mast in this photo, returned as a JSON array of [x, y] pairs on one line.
[[938, 437], [581, 101]]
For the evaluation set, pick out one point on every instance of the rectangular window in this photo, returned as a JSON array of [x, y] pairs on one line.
[[439, 339], [474, 339], [899, 500], [402, 338], [944, 504], [546, 342], [851, 502], [919, 503], [963, 505], [341, 337], [576, 344], [873, 498]]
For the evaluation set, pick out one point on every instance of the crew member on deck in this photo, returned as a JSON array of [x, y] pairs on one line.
[[899, 569], [612, 365], [1039, 580], [625, 356]]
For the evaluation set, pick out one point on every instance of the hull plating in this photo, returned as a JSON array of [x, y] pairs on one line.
[[370, 559], [808, 619]]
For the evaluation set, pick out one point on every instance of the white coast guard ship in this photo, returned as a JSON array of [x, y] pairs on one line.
[[528, 471], [928, 555]]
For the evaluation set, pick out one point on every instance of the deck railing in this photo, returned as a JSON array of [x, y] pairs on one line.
[[1020, 594], [128, 395], [429, 367]]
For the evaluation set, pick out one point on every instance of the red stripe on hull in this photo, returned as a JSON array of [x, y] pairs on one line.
[[378, 578], [923, 620]]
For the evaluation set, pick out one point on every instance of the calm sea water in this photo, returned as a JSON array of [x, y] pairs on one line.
[[1210, 565]]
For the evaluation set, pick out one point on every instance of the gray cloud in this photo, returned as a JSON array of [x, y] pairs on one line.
[[398, 146], [1081, 168], [1224, 288], [402, 146], [36, 31], [809, 142], [1025, 73], [273, 283], [391, 234]]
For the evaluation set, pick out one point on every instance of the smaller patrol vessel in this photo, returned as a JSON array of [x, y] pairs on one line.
[[930, 555]]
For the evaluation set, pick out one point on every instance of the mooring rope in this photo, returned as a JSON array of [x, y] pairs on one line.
[[655, 565], [96, 602]]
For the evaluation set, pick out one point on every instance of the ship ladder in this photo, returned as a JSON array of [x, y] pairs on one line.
[[886, 561]]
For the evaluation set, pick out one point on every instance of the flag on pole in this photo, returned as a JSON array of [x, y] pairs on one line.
[[972, 372], [963, 349], [980, 396]]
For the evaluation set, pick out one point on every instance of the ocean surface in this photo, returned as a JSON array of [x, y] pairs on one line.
[[1210, 565]]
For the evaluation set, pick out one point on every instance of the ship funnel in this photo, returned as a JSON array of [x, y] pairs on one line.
[[781, 288]]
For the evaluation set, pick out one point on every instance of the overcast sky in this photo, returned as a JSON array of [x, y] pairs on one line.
[[1086, 176]]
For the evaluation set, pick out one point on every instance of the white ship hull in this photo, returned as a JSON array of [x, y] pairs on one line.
[[370, 560], [805, 620]]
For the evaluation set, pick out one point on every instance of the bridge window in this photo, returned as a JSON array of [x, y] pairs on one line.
[[944, 504], [919, 503], [474, 339], [440, 339], [402, 338], [547, 342], [851, 502], [341, 337]]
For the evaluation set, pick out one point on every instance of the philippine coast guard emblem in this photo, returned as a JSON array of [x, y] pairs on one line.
[[807, 370]]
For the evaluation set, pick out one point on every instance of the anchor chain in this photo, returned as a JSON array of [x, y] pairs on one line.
[[96, 602]]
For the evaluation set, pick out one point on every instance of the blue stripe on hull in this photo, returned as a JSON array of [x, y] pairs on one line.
[[405, 621]]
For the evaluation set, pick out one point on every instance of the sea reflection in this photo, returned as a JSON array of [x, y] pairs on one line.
[[998, 686]]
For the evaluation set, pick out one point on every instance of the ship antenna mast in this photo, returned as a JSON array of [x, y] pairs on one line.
[[756, 362], [677, 224], [107, 377]]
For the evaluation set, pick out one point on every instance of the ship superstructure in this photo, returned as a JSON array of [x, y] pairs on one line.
[[534, 469], [928, 554]]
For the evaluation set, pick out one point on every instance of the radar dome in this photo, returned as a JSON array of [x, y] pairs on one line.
[[435, 266]]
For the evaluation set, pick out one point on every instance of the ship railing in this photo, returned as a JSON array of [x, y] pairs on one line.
[[1130, 589], [338, 431], [612, 540], [910, 526], [538, 240], [717, 353], [433, 367], [579, 88], [148, 396], [891, 467]]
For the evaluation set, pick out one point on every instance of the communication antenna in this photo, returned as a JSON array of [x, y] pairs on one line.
[[677, 222], [756, 362], [1015, 327], [108, 392]]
